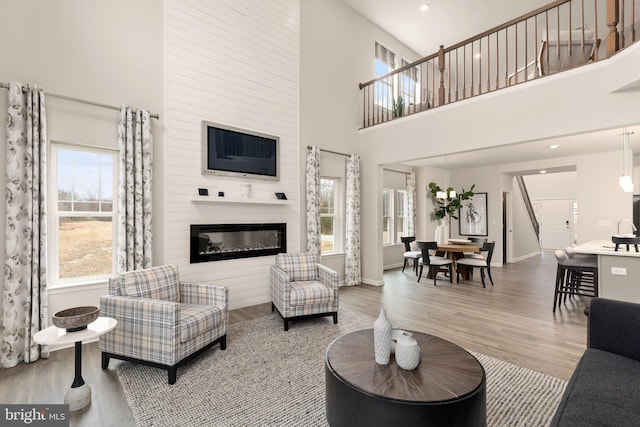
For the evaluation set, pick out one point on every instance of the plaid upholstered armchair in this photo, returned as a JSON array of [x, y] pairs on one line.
[[301, 287], [162, 322]]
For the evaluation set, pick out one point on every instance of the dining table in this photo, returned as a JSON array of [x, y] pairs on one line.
[[456, 250]]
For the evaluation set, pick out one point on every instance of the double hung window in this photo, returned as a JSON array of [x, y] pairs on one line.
[[331, 214], [82, 214], [385, 62], [394, 215]]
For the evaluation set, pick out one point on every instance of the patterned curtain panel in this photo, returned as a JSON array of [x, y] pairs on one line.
[[313, 201], [134, 192], [411, 204], [24, 294], [352, 271]]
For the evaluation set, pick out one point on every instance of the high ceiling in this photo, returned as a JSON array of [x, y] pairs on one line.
[[447, 22]]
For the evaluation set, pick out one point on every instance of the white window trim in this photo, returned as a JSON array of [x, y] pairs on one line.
[[392, 216], [53, 273], [405, 210], [339, 209]]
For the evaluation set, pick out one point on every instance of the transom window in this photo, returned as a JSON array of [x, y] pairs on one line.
[[82, 215]]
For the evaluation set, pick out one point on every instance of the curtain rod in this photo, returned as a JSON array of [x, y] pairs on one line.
[[68, 98], [332, 152]]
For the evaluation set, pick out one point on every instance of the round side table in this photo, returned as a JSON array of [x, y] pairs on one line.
[[79, 395], [447, 388]]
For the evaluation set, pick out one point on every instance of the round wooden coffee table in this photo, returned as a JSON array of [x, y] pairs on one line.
[[447, 388]]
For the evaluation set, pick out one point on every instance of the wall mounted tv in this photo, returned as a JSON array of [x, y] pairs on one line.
[[230, 151]]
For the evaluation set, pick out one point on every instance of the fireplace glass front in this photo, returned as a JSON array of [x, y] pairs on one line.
[[215, 242]]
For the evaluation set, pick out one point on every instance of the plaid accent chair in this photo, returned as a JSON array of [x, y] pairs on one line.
[[300, 288], [162, 321]]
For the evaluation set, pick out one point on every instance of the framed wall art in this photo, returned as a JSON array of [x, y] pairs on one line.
[[473, 216]]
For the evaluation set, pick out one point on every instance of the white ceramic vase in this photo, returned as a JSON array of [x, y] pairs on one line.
[[442, 232], [382, 338], [407, 352]]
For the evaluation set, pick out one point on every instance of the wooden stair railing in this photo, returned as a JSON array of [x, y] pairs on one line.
[[565, 32]]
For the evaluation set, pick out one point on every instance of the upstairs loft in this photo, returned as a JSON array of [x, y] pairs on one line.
[[560, 36]]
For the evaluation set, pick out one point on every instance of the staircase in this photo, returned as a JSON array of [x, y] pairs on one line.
[[560, 36], [527, 202]]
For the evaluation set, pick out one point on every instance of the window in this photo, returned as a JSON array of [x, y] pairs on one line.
[[385, 62], [330, 215], [401, 214], [409, 86], [405, 85], [82, 218], [395, 215], [387, 213]]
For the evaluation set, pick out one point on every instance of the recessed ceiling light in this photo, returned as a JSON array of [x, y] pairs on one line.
[[553, 147], [477, 55], [543, 171], [424, 7]]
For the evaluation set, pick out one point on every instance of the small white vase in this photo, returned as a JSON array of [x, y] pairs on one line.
[[407, 352], [382, 338]]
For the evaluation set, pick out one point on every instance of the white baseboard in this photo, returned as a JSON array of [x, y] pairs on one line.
[[372, 282], [520, 258], [390, 266]]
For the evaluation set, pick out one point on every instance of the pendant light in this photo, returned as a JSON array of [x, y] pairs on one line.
[[626, 181]]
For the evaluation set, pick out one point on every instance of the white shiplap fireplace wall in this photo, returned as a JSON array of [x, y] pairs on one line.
[[233, 63]]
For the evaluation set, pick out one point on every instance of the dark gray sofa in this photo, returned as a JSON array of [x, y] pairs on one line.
[[604, 390]]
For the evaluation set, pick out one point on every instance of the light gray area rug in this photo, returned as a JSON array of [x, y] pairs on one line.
[[268, 377]]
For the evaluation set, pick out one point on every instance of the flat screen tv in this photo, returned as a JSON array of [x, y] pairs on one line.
[[230, 151]]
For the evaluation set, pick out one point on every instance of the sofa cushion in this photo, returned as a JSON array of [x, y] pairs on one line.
[[196, 319], [155, 283], [603, 391], [310, 293], [299, 267]]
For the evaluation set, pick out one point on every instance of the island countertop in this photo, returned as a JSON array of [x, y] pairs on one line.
[[606, 247]]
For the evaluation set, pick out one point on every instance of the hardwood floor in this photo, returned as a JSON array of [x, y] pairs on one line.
[[511, 321]]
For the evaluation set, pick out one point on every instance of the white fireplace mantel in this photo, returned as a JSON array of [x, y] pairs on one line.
[[239, 200]]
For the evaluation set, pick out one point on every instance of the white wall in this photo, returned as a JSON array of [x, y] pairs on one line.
[[560, 185], [106, 51], [337, 52], [238, 64], [521, 113]]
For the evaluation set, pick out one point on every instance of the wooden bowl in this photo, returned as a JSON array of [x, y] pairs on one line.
[[76, 318]]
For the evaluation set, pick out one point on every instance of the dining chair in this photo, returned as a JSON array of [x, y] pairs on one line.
[[482, 263], [410, 254], [434, 263], [478, 254]]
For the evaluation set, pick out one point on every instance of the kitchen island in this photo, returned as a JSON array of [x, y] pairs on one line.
[[618, 271]]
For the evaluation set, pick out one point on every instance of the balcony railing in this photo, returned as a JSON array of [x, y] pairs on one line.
[[560, 36]]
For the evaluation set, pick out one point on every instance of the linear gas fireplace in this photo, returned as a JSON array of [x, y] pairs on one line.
[[215, 242]]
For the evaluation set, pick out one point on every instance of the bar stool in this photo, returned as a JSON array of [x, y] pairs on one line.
[[576, 275]]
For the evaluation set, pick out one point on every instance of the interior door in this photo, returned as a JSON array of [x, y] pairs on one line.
[[556, 222]]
